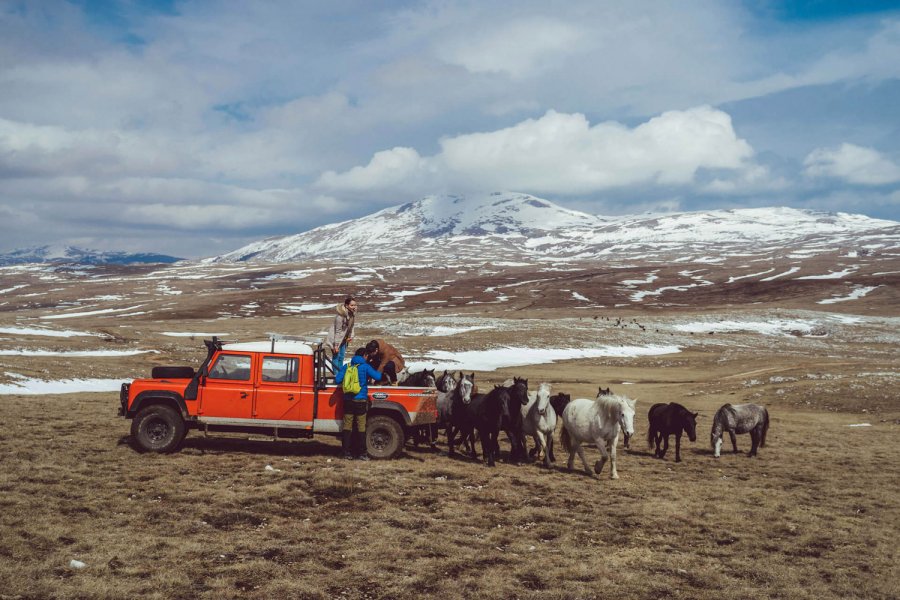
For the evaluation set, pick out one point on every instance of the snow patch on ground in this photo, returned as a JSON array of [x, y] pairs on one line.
[[299, 308], [733, 279], [188, 334], [13, 288], [92, 312], [27, 386], [440, 330], [44, 332], [93, 353], [771, 327], [832, 274], [790, 271], [400, 296], [510, 356], [854, 295]]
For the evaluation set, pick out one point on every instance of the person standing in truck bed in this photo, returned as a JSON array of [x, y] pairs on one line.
[[385, 358], [340, 334]]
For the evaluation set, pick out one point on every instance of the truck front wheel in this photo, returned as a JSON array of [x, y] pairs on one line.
[[384, 437], [157, 428]]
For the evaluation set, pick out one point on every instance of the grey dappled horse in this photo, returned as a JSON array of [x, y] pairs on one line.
[[740, 418]]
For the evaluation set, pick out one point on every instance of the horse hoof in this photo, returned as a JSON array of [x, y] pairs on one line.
[[678, 459]]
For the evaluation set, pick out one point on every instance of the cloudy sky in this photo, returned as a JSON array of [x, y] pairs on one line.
[[194, 127]]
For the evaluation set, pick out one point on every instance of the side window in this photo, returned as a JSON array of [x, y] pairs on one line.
[[231, 366], [280, 369]]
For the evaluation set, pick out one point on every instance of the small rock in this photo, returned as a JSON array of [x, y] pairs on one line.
[[76, 564]]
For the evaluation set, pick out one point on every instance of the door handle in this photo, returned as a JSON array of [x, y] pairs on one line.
[[243, 394], [290, 396]]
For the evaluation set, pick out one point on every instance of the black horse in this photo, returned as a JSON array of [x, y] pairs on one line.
[[666, 420], [423, 378], [512, 418], [484, 413]]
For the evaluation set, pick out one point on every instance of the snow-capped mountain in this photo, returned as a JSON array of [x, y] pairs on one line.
[[511, 226], [71, 254]]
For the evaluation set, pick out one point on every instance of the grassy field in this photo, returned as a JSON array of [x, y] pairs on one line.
[[814, 516]]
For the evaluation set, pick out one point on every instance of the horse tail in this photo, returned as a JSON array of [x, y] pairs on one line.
[[765, 429], [650, 437], [565, 439]]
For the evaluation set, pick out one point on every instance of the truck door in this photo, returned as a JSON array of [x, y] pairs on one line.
[[278, 391], [228, 391]]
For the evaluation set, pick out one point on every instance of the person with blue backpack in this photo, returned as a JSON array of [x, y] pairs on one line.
[[354, 381]]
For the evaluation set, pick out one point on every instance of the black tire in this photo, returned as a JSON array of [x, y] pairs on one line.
[[172, 372], [157, 428], [384, 437]]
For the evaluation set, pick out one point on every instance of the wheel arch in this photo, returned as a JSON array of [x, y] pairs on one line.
[[394, 410], [162, 397]]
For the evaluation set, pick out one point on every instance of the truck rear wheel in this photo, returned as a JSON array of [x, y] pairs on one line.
[[158, 428], [384, 437]]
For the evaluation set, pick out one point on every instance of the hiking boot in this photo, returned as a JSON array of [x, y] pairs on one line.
[[363, 457], [348, 457], [346, 441]]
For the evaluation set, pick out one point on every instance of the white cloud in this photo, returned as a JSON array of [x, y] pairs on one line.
[[855, 164], [398, 168], [563, 154], [518, 48]]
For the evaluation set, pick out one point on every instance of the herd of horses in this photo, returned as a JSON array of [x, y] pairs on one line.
[[468, 415]]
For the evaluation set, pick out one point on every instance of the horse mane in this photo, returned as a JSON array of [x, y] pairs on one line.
[[611, 405]]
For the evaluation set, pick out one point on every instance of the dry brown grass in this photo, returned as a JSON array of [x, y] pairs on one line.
[[815, 516]]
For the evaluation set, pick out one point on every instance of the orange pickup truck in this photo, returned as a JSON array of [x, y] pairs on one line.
[[277, 388]]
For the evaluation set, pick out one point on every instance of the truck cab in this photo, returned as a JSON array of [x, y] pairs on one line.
[[279, 388]]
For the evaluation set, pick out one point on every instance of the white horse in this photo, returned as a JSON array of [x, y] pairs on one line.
[[539, 420], [598, 421]]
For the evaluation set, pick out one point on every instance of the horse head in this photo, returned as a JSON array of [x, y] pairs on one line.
[[604, 392], [520, 389], [428, 378], [465, 387], [446, 383], [689, 422], [543, 399], [626, 418]]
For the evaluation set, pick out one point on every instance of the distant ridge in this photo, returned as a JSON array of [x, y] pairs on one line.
[[505, 226], [73, 255]]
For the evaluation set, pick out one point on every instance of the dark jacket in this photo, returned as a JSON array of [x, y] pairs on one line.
[[364, 372]]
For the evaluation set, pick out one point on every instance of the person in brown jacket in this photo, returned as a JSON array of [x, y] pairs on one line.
[[385, 358]]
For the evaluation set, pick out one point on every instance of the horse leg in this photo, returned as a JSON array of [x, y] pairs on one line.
[[451, 434], [613, 472], [550, 447], [733, 441], [580, 450], [489, 447], [665, 445], [542, 442], [754, 442], [677, 447], [657, 440], [604, 454]]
